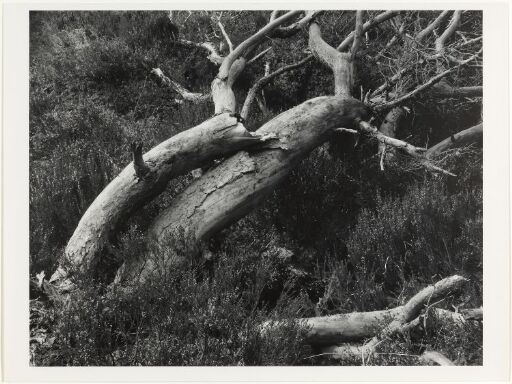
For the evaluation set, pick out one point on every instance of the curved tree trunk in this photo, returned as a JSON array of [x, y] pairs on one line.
[[229, 191], [148, 176], [188, 150], [232, 189]]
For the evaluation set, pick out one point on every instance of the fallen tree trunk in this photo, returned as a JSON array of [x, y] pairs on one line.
[[342, 328], [357, 326], [465, 137], [217, 137], [232, 189], [410, 311], [443, 89], [188, 150]]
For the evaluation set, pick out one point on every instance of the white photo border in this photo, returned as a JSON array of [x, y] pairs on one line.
[[15, 219]]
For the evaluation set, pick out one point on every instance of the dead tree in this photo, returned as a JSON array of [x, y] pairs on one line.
[[253, 163]]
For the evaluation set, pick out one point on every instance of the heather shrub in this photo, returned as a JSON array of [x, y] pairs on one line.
[[176, 319], [425, 235], [340, 233]]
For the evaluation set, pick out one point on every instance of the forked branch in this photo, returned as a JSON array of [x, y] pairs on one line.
[[409, 312], [253, 92], [449, 32], [366, 27], [415, 152], [426, 85], [431, 27], [251, 41], [339, 62]]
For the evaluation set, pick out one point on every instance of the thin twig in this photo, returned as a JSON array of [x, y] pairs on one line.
[[424, 86], [259, 55]]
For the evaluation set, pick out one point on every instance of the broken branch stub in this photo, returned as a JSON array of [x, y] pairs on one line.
[[233, 188]]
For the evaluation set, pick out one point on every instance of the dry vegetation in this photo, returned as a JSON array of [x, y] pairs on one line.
[[362, 219]]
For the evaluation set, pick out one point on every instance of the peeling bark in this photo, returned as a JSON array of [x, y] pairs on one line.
[[229, 191], [188, 150], [222, 89]]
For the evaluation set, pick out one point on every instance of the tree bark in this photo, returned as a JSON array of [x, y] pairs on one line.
[[466, 137], [389, 127], [217, 137], [341, 63], [342, 328], [443, 89], [229, 191], [357, 326], [409, 312]]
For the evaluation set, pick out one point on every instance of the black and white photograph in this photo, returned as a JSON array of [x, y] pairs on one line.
[[256, 188], [250, 188]]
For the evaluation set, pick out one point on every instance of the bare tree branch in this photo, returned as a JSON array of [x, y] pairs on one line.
[[264, 81], [410, 311], [445, 90], [283, 32], [389, 127], [226, 37], [450, 30], [425, 32], [424, 86], [462, 138], [390, 82], [254, 39], [435, 357], [367, 26], [392, 41], [415, 152], [469, 42], [213, 55], [339, 62], [274, 15], [259, 55], [358, 32], [182, 91]]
